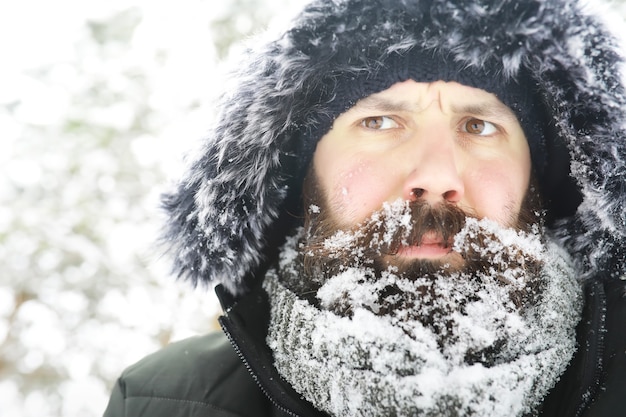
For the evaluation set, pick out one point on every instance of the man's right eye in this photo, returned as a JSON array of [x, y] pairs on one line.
[[379, 123]]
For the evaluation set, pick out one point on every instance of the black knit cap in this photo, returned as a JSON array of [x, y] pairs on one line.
[[517, 92]]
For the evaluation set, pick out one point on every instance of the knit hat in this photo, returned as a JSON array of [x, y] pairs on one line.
[[518, 92]]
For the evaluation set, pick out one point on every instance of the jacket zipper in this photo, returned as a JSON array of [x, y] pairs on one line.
[[256, 379]]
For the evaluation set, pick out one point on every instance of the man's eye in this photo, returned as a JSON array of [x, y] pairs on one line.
[[479, 127], [379, 123]]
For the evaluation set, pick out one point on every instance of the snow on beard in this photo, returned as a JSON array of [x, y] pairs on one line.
[[498, 278], [328, 249]]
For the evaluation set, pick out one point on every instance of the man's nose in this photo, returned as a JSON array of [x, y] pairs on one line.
[[433, 173]]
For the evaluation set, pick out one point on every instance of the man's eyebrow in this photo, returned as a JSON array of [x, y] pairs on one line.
[[383, 105], [487, 110]]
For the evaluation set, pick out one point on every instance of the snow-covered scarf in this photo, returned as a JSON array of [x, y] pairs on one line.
[[454, 346]]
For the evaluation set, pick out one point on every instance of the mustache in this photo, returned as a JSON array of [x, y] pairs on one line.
[[395, 227], [326, 249]]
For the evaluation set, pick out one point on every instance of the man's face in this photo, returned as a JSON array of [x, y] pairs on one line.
[[435, 143]]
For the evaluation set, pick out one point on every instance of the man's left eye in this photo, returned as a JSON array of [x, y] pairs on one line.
[[379, 123], [479, 127]]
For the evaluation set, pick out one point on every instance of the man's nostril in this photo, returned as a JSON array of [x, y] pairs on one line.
[[417, 192]]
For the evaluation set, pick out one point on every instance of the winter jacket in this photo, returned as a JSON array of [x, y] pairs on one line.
[[232, 375], [241, 195]]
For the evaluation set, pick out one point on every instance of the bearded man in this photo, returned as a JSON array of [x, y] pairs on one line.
[[412, 208]]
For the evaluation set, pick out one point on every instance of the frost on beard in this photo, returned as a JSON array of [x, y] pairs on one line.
[[489, 341], [469, 314]]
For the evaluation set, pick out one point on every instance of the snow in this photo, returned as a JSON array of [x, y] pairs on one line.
[[98, 104], [93, 123], [455, 336]]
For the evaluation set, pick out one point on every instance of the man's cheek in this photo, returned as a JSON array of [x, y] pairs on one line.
[[494, 195], [360, 190]]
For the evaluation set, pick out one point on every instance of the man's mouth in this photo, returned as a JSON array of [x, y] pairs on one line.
[[431, 246]]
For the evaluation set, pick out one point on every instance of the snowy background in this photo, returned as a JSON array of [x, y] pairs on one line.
[[98, 102]]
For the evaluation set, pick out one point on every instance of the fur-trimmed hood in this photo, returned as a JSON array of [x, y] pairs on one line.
[[240, 196]]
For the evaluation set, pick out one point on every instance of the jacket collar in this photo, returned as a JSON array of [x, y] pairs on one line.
[[245, 323]]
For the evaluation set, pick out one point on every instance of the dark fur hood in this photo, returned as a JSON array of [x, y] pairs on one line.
[[240, 195]]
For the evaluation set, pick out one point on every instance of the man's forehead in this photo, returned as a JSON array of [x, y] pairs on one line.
[[411, 96]]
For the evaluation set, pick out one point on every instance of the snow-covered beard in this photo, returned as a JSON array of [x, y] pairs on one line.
[[358, 340], [326, 251], [328, 248]]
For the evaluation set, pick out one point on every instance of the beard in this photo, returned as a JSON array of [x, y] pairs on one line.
[[485, 331], [476, 247]]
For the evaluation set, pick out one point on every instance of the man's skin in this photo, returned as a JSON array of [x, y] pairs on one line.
[[438, 142]]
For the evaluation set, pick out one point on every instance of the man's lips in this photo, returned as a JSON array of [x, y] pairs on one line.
[[430, 247]]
